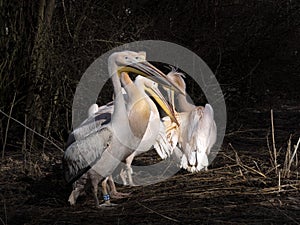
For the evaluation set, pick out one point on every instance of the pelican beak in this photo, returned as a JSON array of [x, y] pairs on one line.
[[146, 69], [159, 98]]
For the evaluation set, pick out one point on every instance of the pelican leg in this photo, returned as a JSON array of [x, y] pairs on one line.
[[106, 196], [129, 160], [74, 195], [123, 175], [202, 161], [95, 191], [113, 190], [184, 162], [78, 190]]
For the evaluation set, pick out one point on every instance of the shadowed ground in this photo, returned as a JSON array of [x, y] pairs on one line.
[[240, 187]]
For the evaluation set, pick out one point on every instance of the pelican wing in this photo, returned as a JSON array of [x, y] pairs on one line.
[[163, 146], [211, 126], [92, 124], [203, 127], [81, 155], [201, 136]]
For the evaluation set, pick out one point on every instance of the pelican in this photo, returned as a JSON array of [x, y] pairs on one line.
[[117, 138], [159, 141], [100, 114], [197, 132], [97, 116]]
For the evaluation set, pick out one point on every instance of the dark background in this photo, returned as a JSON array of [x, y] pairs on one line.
[[253, 48]]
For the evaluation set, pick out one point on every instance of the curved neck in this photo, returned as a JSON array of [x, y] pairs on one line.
[[113, 74], [119, 102], [134, 90], [141, 87], [183, 104]]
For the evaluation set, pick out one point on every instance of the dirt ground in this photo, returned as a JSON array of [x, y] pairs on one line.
[[240, 187]]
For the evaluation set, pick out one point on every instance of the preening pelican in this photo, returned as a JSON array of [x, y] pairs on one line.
[[154, 124], [197, 132], [113, 141]]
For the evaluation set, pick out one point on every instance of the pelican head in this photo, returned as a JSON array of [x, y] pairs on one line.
[[135, 62], [177, 78], [151, 88]]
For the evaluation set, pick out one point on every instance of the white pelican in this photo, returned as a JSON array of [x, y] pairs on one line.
[[97, 116], [115, 140], [159, 141], [197, 132], [100, 115], [161, 145]]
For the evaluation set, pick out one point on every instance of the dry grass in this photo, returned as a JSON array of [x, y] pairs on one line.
[[290, 164], [242, 186]]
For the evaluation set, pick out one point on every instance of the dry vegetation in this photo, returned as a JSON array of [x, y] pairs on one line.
[[246, 184], [253, 48]]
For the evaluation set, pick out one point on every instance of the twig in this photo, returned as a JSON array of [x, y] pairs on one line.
[[270, 170], [273, 140], [239, 162], [253, 170], [108, 41], [5, 213], [166, 217], [244, 77], [24, 144], [257, 166], [243, 131], [294, 153], [280, 211], [286, 168], [1, 220], [7, 126], [279, 181], [228, 157], [271, 190], [28, 128], [220, 61], [66, 19], [270, 152]]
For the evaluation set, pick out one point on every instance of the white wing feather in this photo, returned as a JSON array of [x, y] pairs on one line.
[[162, 146]]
